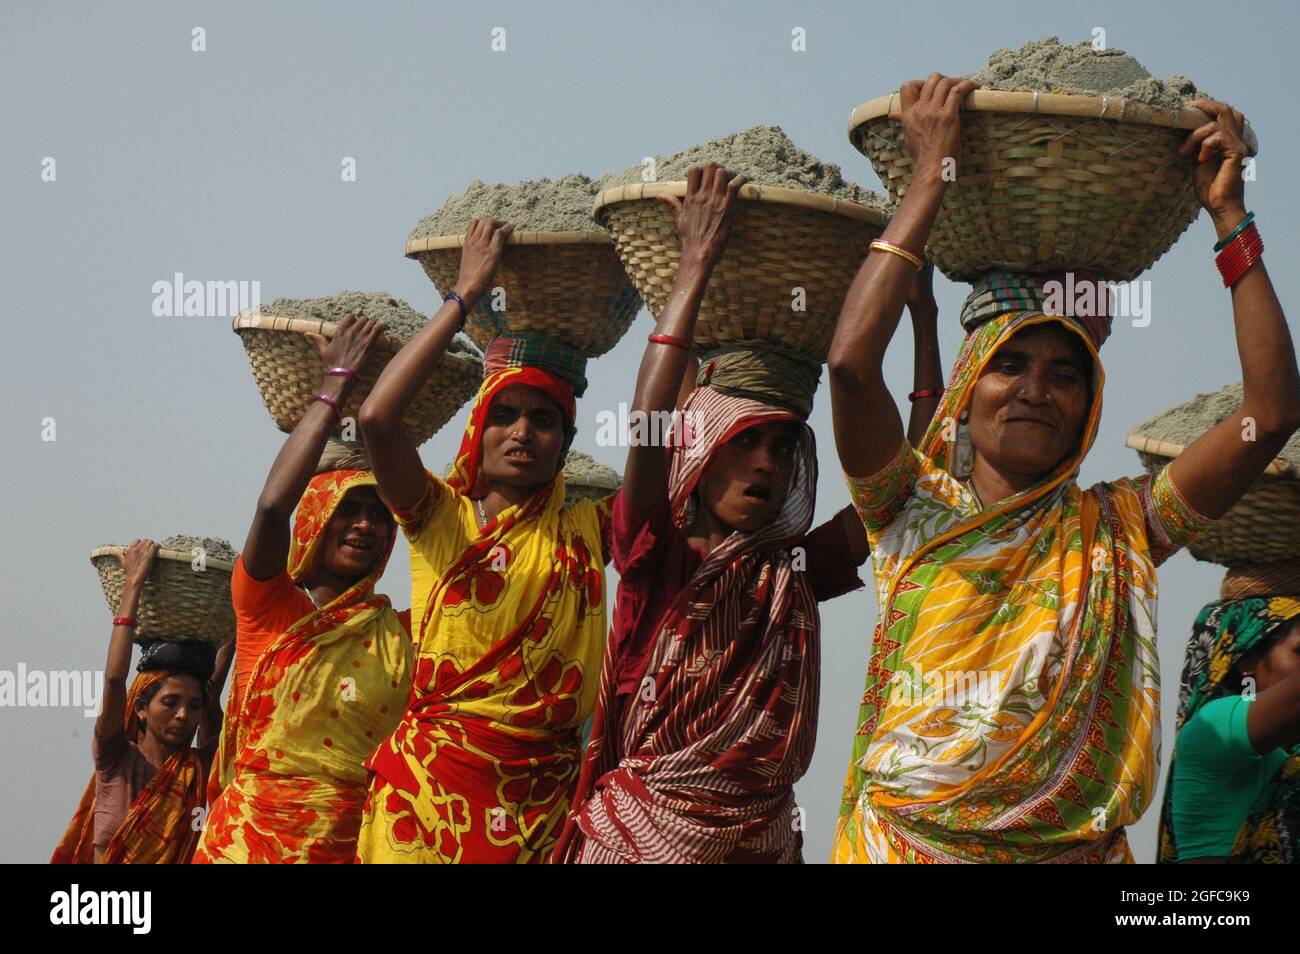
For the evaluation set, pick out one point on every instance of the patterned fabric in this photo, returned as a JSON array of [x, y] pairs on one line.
[[999, 292], [511, 626], [1225, 632], [320, 698], [763, 372], [700, 764], [1012, 699], [536, 349], [159, 829]]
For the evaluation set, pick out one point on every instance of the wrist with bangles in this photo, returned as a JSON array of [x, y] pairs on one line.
[[1237, 252], [882, 245], [925, 393]]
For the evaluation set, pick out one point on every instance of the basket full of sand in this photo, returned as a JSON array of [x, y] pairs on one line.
[[1069, 161], [799, 235], [559, 273], [187, 592], [289, 373], [585, 478], [1264, 525]]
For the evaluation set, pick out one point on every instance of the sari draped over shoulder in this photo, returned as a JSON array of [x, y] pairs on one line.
[[699, 764], [160, 826], [319, 699], [1011, 706], [510, 625]]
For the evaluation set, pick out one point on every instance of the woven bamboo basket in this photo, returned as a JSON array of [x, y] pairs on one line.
[[587, 479], [567, 284], [177, 601], [781, 240], [1050, 182], [289, 374], [1263, 526]]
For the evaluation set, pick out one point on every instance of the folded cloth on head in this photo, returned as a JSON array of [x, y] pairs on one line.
[[997, 292], [188, 656], [762, 371], [536, 349]]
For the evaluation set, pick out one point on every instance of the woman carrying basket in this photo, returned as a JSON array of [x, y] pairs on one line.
[[323, 660], [708, 704], [146, 799], [994, 568], [508, 598]]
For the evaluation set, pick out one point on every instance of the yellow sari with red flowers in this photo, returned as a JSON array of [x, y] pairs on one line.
[[159, 828], [319, 699], [511, 629]]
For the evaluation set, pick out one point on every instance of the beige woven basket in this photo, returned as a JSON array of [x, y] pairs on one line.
[[1050, 182], [567, 284], [289, 374], [177, 601], [587, 479], [1263, 526], [781, 240]]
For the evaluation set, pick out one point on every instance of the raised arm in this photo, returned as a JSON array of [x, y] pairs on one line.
[[1220, 466], [868, 429], [392, 453], [703, 224], [136, 563], [1273, 719], [210, 720], [927, 367], [266, 549]]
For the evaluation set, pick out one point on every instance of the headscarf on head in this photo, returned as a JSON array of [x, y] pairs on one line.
[[999, 292], [1048, 597], [1259, 605], [702, 768], [763, 372], [317, 701], [159, 827]]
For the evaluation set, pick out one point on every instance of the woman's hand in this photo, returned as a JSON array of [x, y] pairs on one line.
[[931, 117], [485, 242], [1220, 153], [704, 218], [352, 346], [137, 561]]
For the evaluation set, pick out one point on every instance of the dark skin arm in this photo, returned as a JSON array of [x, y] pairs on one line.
[[210, 721], [392, 454], [1273, 719], [266, 550], [136, 562], [704, 220], [927, 367], [1220, 466], [868, 428]]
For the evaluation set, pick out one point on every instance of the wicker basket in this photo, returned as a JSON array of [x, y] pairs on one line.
[[782, 239], [1262, 527], [1050, 182], [587, 479], [289, 374], [177, 601], [567, 284]]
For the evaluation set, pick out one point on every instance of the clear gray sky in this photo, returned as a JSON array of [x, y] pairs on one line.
[[225, 165]]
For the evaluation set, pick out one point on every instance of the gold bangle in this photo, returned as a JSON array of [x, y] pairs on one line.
[[880, 245]]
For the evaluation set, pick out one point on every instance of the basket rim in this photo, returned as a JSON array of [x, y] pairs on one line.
[[163, 554], [262, 321], [797, 198], [438, 243], [1115, 108], [1151, 445]]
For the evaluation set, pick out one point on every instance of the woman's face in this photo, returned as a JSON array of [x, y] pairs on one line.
[[1030, 403], [172, 715], [524, 441], [356, 536], [746, 480], [1280, 660]]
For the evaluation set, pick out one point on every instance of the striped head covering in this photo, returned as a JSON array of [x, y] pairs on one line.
[[998, 292], [536, 349]]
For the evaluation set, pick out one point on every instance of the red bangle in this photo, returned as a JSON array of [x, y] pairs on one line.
[[124, 621], [670, 340], [331, 404], [925, 393], [341, 373], [1240, 255]]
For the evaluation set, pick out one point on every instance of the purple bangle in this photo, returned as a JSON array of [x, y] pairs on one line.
[[341, 373], [460, 302], [331, 404]]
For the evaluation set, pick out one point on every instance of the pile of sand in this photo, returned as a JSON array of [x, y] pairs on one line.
[[401, 319], [768, 156], [214, 547], [563, 205], [1048, 66], [1186, 422]]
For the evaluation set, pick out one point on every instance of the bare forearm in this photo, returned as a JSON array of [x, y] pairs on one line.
[[401, 380], [118, 665], [927, 369]]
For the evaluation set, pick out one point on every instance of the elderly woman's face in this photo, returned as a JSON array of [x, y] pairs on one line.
[[1029, 406]]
